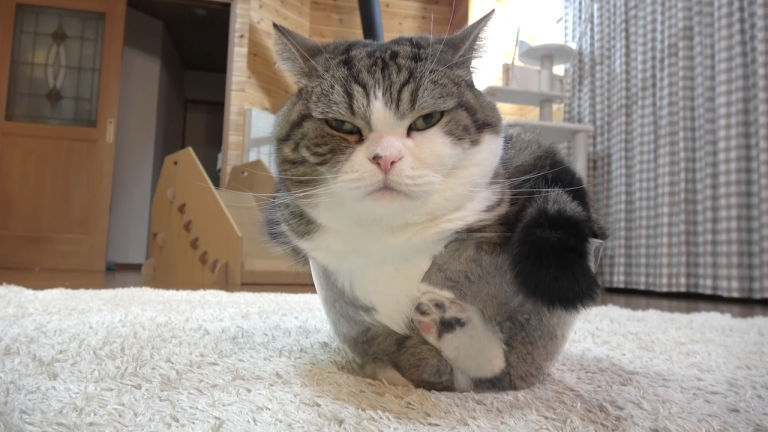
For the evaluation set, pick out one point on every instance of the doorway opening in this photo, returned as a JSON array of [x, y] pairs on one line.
[[172, 96]]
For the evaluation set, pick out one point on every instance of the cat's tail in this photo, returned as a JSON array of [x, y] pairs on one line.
[[551, 252]]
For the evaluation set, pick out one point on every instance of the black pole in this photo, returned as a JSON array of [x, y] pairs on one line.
[[370, 15]]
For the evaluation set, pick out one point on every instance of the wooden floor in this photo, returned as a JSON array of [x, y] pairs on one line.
[[627, 299], [115, 279]]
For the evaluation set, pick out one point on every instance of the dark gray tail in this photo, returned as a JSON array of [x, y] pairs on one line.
[[551, 253]]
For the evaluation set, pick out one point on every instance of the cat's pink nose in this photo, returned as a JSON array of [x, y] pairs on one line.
[[386, 162]]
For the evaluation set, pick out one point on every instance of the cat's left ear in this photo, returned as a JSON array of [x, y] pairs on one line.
[[295, 53], [467, 43]]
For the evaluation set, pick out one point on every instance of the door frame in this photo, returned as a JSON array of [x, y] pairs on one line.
[[108, 98]]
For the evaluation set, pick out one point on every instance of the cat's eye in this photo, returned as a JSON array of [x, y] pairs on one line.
[[343, 127], [426, 121]]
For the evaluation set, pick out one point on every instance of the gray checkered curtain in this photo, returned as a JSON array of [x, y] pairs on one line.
[[677, 91]]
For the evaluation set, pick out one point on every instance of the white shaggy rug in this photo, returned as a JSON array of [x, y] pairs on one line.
[[144, 359]]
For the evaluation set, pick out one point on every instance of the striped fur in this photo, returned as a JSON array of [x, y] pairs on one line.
[[464, 266]]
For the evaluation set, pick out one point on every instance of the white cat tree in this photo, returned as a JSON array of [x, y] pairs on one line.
[[543, 92]]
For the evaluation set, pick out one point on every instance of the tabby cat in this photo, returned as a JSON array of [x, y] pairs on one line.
[[448, 254]]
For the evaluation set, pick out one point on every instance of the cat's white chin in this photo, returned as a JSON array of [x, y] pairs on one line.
[[387, 194]]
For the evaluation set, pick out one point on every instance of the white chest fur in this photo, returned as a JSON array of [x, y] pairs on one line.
[[378, 251], [380, 271]]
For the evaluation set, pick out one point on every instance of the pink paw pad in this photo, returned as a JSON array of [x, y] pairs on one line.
[[426, 327]]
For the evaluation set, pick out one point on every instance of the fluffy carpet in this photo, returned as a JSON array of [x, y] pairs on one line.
[[144, 359]]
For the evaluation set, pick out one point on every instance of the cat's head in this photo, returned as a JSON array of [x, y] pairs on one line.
[[386, 133]]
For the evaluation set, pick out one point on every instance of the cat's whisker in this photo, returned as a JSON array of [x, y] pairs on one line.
[[512, 195], [534, 175], [246, 192], [437, 56], [287, 199], [427, 76], [325, 198], [454, 62], [291, 177], [421, 72], [333, 65], [431, 24], [526, 190]]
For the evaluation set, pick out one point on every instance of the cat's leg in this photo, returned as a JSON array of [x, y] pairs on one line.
[[375, 370], [462, 334], [386, 374]]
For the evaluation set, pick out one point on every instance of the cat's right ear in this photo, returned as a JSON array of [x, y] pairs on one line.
[[294, 53]]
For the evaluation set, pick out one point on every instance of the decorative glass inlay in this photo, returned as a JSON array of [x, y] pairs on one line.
[[55, 66]]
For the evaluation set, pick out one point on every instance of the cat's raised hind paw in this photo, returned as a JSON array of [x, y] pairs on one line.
[[461, 333]]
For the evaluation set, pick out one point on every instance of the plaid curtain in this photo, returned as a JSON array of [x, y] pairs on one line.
[[678, 93]]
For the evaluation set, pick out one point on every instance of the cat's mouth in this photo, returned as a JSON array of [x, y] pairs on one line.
[[387, 191]]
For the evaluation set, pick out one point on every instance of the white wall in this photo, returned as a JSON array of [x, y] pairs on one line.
[[144, 131], [259, 143], [135, 139], [538, 23]]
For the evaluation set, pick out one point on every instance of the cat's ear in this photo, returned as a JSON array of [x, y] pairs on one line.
[[294, 52], [467, 43]]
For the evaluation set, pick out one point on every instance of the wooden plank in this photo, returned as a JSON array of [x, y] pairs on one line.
[[264, 11], [268, 89], [326, 34], [193, 198], [460, 16], [393, 21], [237, 78], [274, 82], [298, 9], [333, 19], [253, 178], [441, 13], [426, 3], [246, 196]]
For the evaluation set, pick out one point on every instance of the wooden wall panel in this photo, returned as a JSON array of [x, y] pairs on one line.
[[268, 88], [460, 16], [255, 82], [237, 80], [331, 19]]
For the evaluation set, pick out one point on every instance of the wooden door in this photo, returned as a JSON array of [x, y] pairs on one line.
[[203, 128], [60, 63]]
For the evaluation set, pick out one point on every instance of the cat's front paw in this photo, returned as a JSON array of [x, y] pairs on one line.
[[461, 333]]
